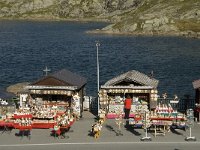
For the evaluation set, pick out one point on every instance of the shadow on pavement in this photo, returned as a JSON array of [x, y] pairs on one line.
[[175, 131], [5, 130], [110, 128], [23, 133], [132, 130]]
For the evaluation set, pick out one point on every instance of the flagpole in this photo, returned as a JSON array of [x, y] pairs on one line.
[[97, 46]]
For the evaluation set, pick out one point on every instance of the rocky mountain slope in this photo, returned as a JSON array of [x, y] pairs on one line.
[[171, 17]]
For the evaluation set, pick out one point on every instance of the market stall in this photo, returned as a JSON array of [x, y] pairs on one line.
[[141, 88], [54, 95]]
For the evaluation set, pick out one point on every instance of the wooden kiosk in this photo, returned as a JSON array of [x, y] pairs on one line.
[[142, 88], [52, 97]]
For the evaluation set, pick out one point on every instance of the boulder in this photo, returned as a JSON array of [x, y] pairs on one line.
[[16, 88]]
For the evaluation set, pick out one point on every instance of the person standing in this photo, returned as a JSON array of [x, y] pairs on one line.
[[127, 106]]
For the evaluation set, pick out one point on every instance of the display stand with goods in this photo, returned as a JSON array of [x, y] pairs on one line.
[[96, 129], [190, 122], [102, 115], [23, 122], [166, 115], [119, 121], [147, 124], [76, 106]]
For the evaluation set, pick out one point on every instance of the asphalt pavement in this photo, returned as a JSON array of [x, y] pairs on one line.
[[79, 137]]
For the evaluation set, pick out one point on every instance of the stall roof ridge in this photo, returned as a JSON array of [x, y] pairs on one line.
[[196, 84], [67, 77], [135, 76]]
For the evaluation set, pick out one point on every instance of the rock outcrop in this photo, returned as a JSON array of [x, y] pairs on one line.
[[177, 17], [16, 88]]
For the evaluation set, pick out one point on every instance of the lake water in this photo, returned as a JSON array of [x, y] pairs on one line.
[[26, 47]]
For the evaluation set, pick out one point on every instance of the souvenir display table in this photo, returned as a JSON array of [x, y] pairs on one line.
[[162, 122], [161, 119], [117, 103], [23, 122], [61, 129], [43, 124], [38, 118], [160, 125]]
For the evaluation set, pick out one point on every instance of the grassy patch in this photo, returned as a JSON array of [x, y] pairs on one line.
[[191, 25], [2, 4], [147, 5], [118, 25], [188, 5]]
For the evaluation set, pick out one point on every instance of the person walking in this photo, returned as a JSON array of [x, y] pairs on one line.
[[127, 106]]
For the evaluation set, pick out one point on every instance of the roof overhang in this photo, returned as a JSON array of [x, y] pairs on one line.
[[128, 87], [43, 87]]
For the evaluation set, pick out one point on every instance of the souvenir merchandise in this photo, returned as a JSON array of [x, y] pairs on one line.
[[119, 120]]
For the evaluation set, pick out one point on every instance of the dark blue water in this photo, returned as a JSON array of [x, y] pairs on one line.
[[27, 47]]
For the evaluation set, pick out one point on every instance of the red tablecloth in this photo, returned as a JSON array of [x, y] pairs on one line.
[[23, 116], [167, 118], [35, 125], [113, 116], [40, 125], [17, 126], [6, 123]]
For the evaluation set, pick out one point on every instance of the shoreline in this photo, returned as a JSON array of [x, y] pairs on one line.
[[54, 19], [176, 34], [100, 31]]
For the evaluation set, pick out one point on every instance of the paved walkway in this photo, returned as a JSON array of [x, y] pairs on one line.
[[79, 133]]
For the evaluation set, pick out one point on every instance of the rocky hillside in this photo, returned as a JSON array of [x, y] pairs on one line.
[[171, 17]]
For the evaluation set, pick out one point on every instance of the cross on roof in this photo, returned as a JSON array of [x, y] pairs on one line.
[[46, 70]]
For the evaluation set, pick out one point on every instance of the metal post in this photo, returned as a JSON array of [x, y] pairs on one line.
[[190, 120], [146, 138], [97, 45]]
